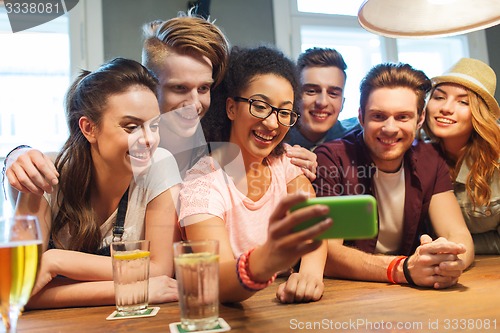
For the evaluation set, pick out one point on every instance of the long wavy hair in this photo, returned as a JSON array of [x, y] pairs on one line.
[[481, 153], [87, 97], [244, 65]]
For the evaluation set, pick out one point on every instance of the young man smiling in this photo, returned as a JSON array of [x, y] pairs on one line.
[[410, 181], [323, 77]]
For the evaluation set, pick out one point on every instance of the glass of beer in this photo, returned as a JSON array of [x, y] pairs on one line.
[[20, 253], [197, 275], [131, 276]]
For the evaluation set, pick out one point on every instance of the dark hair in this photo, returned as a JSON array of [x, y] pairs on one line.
[[87, 97], [244, 65], [321, 57], [391, 75]]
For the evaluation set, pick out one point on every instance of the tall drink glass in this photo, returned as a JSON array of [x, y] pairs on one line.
[[197, 275], [20, 252], [131, 275]]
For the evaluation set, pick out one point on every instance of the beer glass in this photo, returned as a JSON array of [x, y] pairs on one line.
[[20, 253]]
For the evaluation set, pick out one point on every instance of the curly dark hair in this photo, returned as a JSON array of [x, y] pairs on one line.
[[244, 65]]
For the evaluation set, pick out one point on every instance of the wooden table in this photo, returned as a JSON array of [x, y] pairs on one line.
[[471, 306]]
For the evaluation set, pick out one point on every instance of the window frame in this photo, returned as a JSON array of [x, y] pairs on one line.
[[86, 48], [85, 30], [288, 21], [86, 36]]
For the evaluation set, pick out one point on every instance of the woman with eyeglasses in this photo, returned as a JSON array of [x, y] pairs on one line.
[[462, 118], [241, 194], [114, 184]]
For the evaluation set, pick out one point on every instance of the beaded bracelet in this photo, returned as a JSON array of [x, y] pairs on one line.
[[390, 268], [245, 276], [406, 272]]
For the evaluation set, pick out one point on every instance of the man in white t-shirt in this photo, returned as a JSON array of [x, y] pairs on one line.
[[410, 181]]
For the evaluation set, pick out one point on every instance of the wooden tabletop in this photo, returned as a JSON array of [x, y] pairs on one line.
[[471, 306]]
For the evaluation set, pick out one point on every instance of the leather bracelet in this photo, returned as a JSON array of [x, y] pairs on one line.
[[406, 272], [245, 276], [390, 268]]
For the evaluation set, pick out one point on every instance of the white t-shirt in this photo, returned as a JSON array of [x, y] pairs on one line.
[[390, 194], [162, 175]]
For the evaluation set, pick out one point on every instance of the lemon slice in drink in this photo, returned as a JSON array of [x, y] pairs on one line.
[[130, 255], [196, 258]]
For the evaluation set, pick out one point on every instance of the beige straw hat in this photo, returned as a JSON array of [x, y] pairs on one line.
[[476, 76]]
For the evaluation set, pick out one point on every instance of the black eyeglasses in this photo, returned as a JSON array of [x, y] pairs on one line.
[[262, 110]]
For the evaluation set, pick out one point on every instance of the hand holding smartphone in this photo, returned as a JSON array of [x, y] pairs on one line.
[[354, 216]]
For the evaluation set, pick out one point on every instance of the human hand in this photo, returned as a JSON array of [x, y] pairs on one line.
[[304, 159], [32, 172], [162, 289], [284, 246], [436, 263], [300, 288], [44, 274]]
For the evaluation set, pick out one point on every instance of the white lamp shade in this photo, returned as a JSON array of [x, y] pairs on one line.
[[427, 18]]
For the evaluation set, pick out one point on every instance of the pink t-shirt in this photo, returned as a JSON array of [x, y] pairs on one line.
[[207, 189]]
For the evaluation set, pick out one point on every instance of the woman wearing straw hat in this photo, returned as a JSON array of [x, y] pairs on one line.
[[462, 118]]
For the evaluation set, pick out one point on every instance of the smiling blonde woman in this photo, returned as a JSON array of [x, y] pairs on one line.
[[462, 118]]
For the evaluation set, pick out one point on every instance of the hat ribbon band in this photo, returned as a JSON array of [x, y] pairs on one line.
[[468, 78]]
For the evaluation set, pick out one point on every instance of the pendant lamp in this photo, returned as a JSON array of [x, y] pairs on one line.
[[427, 18]]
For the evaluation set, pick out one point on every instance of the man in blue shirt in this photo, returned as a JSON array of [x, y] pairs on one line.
[[323, 77]]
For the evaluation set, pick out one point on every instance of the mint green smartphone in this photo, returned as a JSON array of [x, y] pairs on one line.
[[354, 216]]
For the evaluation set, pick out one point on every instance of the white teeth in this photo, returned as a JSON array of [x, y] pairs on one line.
[[139, 155], [388, 142], [444, 120], [188, 116], [319, 114], [263, 136]]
